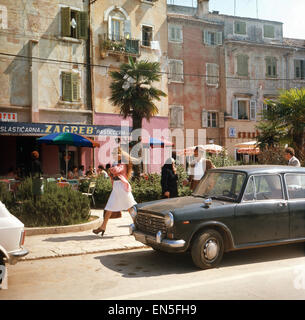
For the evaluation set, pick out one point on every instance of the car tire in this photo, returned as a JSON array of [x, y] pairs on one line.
[[207, 249]]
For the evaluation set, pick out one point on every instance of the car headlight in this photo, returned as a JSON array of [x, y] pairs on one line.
[[169, 220], [133, 212]]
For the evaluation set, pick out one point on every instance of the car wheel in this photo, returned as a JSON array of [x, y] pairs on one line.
[[207, 249]]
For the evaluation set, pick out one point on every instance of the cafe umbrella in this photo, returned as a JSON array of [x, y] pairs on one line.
[[68, 139]]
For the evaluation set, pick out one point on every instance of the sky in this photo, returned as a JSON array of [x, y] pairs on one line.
[[289, 12]]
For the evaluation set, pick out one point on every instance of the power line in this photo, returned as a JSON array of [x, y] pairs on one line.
[[84, 64]]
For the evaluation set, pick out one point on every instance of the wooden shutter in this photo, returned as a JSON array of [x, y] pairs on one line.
[[297, 69], [180, 70], [252, 110], [235, 109], [66, 78], [65, 22], [75, 87], [205, 35], [127, 29], [242, 65], [221, 122], [83, 25], [204, 118], [268, 31], [219, 38]]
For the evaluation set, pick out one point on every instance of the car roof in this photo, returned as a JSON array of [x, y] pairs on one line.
[[254, 169]]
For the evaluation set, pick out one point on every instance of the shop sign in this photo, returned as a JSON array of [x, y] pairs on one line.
[[25, 128], [8, 116]]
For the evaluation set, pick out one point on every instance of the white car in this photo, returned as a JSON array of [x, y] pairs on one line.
[[12, 236]]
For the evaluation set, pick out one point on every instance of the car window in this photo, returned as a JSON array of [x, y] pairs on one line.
[[263, 187], [224, 185], [295, 185]]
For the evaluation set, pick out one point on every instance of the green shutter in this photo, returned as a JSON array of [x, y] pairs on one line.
[[75, 87], [268, 31], [240, 27], [242, 65], [65, 22], [83, 30], [297, 69], [66, 78]]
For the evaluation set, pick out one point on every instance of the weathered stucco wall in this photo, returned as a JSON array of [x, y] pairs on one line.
[[33, 85], [139, 13]]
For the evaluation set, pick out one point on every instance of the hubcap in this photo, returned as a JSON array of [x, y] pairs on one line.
[[210, 249]]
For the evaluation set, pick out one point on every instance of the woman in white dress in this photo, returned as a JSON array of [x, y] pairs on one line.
[[121, 197]]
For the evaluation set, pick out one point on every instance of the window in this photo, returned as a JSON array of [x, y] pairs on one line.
[[74, 23], [3, 17], [268, 31], [147, 35], [212, 120], [175, 33], [264, 187], [295, 185], [271, 67], [242, 65], [299, 69], [176, 116], [244, 109], [240, 27], [212, 38], [70, 86], [176, 70], [212, 73]]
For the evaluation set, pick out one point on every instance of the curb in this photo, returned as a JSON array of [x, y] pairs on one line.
[[64, 229], [84, 253]]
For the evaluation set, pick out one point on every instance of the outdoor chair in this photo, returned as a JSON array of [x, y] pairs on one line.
[[91, 190]]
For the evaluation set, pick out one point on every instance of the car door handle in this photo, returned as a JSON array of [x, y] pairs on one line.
[[282, 204]]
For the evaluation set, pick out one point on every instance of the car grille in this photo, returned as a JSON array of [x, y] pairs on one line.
[[150, 223]]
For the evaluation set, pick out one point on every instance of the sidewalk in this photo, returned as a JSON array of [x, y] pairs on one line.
[[116, 237]]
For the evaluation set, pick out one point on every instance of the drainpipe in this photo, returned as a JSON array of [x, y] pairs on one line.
[[33, 53], [90, 82]]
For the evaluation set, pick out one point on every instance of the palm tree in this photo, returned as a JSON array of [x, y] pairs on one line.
[[134, 95], [132, 91], [285, 120]]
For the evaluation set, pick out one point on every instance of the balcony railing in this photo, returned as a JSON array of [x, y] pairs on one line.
[[112, 43]]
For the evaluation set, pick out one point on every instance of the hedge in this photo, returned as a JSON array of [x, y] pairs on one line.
[[54, 207]]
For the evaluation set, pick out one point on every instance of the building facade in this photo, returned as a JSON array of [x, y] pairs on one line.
[[122, 29], [196, 76], [43, 77], [258, 62]]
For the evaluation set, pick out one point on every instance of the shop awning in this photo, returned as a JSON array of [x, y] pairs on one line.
[[211, 148], [249, 147]]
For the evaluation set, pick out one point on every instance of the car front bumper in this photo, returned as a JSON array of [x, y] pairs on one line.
[[14, 256], [157, 241]]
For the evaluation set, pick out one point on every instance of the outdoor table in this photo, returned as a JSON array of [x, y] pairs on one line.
[[74, 183]]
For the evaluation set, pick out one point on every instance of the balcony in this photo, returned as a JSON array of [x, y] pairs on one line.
[[118, 46]]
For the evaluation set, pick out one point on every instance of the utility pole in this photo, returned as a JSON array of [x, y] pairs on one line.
[[234, 7]]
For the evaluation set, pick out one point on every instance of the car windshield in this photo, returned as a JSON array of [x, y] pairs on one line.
[[221, 185]]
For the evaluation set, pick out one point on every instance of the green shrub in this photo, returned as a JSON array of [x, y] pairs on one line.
[[6, 196], [55, 207]]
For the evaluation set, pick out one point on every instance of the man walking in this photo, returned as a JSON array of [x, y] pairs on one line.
[[290, 157]]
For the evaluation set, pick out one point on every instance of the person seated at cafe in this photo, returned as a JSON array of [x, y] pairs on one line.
[[81, 170], [73, 174], [90, 172], [102, 172]]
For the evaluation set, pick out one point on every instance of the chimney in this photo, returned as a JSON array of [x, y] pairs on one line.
[[202, 8]]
